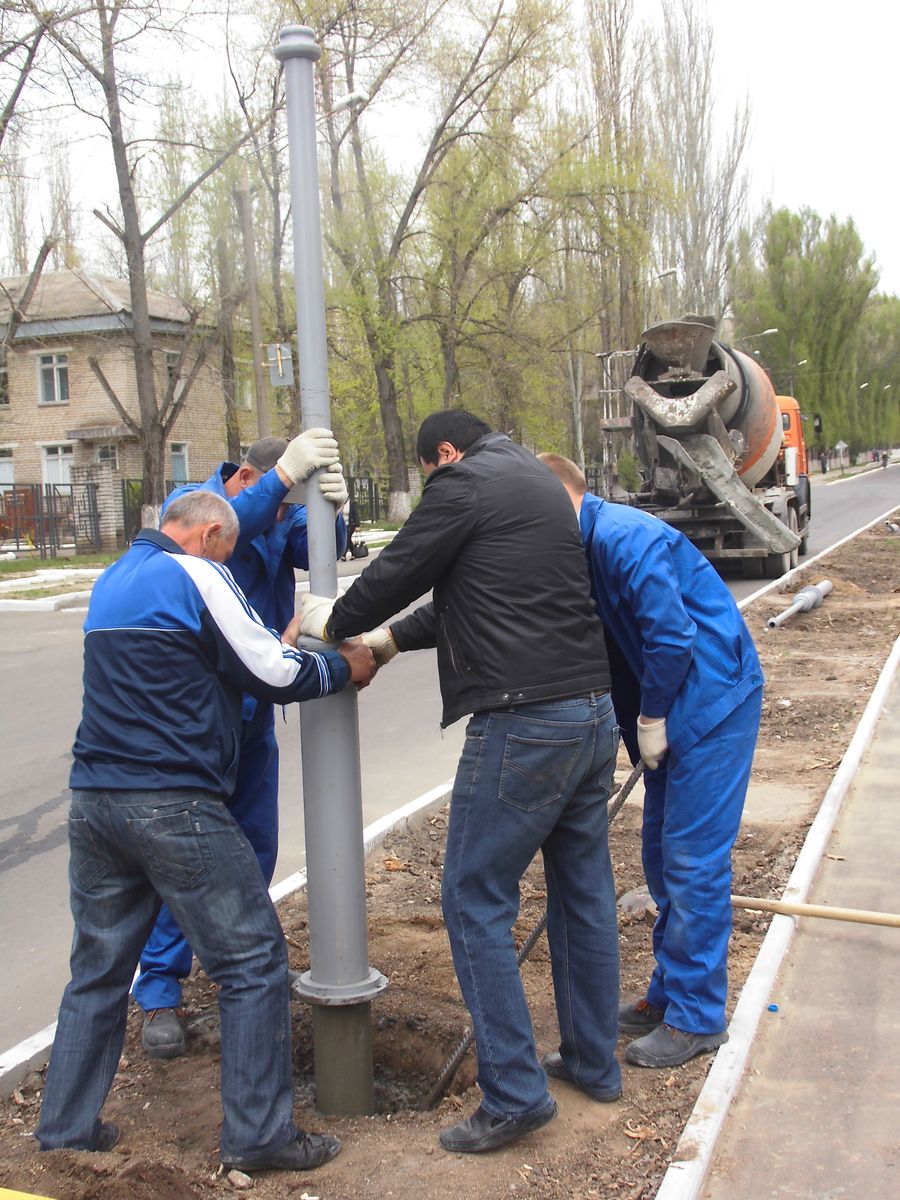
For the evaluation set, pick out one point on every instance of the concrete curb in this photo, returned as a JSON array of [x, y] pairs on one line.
[[694, 1152], [34, 1052], [47, 603]]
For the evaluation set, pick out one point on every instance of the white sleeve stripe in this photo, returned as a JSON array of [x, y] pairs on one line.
[[258, 648]]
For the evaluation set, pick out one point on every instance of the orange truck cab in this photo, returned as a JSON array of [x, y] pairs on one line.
[[792, 431]]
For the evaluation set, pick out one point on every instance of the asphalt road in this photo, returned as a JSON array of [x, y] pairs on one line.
[[404, 753]]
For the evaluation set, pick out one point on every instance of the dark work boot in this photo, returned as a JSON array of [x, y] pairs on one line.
[[670, 1047], [639, 1017], [163, 1034], [554, 1066], [306, 1151], [481, 1131]]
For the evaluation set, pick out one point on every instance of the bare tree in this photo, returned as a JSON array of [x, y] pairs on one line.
[[369, 237], [694, 230], [20, 40], [91, 45]]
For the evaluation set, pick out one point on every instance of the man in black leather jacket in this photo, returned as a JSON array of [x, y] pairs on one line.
[[520, 647]]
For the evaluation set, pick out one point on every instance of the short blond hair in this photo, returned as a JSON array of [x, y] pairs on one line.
[[567, 471]]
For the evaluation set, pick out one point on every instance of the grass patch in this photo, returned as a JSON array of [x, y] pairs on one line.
[[61, 589], [28, 566]]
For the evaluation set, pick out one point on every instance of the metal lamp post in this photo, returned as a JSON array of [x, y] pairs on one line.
[[340, 983]]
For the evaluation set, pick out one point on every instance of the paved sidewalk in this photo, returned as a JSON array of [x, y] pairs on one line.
[[817, 1116]]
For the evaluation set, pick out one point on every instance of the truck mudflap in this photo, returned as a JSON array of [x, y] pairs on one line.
[[702, 454]]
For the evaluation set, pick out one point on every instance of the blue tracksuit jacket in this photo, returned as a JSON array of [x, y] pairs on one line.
[[170, 646]]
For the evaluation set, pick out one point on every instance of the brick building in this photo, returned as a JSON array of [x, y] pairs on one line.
[[57, 425]]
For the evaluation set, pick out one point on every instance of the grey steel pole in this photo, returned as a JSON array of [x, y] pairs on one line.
[[340, 983]]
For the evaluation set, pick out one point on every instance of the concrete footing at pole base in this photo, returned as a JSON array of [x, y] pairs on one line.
[[342, 1037]]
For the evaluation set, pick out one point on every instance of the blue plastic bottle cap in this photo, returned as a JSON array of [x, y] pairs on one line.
[[773, 1008]]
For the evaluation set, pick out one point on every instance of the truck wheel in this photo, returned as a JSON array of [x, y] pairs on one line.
[[752, 568], [779, 564]]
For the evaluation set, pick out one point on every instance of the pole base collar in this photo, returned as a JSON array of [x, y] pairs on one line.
[[359, 992]]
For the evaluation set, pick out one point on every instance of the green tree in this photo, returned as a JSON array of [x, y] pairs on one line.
[[811, 280]]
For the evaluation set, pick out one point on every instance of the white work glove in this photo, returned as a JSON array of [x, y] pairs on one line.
[[314, 614], [333, 486], [381, 643], [307, 452], [652, 740]]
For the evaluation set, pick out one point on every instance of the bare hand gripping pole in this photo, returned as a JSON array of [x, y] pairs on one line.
[[340, 983]]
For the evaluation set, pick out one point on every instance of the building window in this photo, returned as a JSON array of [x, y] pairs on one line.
[[54, 378], [172, 357], [179, 463], [4, 383], [109, 454], [58, 464], [7, 469]]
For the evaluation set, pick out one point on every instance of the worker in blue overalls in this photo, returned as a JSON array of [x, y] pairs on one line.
[[272, 542], [687, 689]]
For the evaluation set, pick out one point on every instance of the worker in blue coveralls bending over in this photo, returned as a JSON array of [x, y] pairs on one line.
[[687, 689], [268, 549]]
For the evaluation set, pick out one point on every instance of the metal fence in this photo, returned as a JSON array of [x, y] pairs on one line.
[[368, 493], [131, 506], [49, 518]]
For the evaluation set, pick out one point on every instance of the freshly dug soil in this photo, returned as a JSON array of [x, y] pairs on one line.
[[820, 670]]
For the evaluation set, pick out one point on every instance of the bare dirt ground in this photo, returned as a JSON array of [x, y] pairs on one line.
[[820, 670]]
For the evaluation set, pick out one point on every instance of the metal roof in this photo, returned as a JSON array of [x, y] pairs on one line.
[[79, 301]]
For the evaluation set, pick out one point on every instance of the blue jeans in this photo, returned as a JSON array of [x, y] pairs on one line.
[[535, 777], [692, 812], [167, 957], [128, 850]]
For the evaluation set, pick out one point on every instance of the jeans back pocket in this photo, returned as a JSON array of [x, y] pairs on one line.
[[537, 771], [173, 846]]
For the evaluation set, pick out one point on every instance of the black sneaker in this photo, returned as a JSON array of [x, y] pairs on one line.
[[306, 1151], [107, 1137], [667, 1046], [481, 1131], [640, 1017], [553, 1064]]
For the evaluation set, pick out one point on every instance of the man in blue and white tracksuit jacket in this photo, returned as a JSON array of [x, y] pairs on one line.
[[171, 646], [267, 552], [687, 689]]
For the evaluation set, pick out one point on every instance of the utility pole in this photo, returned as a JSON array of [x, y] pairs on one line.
[[340, 983], [242, 199]]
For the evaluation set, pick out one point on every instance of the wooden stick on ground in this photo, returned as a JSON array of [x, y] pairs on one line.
[[788, 909]]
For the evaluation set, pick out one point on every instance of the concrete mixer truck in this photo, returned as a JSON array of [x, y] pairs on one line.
[[721, 457]]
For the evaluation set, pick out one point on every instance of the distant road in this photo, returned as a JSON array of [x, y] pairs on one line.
[[404, 753], [840, 505]]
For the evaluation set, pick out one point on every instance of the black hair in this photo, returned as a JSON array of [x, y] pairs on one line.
[[460, 428]]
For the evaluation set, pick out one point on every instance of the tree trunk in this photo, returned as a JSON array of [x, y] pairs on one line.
[[226, 342]]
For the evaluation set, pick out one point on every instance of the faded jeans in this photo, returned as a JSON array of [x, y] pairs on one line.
[[535, 777], [128, 851]]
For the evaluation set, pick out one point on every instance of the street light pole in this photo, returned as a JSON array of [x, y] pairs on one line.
[[340, 983]]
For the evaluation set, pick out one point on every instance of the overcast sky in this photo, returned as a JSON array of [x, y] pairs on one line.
[[823, 81]]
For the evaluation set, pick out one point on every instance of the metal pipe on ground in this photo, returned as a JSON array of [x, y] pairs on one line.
[[340, 981], [806, 599], [451, 1066]]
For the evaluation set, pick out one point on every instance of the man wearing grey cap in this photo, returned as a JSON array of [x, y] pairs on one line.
[[271, 544]]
